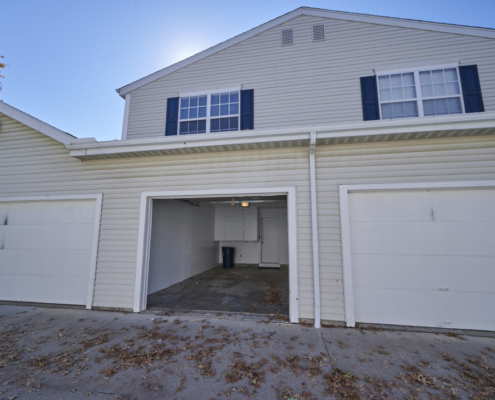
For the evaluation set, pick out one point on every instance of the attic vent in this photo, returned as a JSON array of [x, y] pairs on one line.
[[287, 37], [318, 32]]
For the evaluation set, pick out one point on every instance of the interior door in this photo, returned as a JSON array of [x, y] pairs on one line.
[[269, 240]]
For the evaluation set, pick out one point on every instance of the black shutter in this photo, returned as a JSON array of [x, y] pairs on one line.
[[247, 109], [369, 96], [471, 89], [171, 125]]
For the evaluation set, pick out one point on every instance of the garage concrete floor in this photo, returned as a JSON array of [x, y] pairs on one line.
[[240, 289]]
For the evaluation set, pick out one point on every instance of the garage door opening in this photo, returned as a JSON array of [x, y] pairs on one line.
[[186, 268]]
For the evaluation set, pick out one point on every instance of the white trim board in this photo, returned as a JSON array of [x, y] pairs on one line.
[[125, 123], [96, 230], [344, 191], [474, 121], [144, 237], [315, 12], [36, 124]]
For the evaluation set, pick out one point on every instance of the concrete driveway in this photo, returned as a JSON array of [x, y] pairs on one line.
[[76, 354]]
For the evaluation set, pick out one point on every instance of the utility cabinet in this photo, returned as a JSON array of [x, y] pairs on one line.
[[236, 224]]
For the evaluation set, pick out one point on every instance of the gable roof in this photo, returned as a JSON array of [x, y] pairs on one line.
[[315, 12], [36, 124]]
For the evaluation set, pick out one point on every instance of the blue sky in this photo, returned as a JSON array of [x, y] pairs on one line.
[[66, 58]]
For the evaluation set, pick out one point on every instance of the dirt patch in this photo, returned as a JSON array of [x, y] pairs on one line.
[[273, 294]]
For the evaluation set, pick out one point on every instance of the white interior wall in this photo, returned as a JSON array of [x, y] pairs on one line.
[[182, 243], [250, 252]]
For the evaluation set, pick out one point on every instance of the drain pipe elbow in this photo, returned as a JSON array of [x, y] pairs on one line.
[[314, 228]]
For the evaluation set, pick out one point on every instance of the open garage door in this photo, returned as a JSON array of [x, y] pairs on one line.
[[424, 257], [188, 238], [46, 251]]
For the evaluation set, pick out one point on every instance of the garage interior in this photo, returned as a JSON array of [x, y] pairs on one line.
[[186, 269]]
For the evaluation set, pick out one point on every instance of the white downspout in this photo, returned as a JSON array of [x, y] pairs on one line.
[[314, 228]]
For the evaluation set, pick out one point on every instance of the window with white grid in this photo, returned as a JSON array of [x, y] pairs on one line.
[[225, 106], [420, 93], [215, 112]]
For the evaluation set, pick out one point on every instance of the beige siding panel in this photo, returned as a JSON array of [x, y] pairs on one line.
[[310, 83], [37, 165]]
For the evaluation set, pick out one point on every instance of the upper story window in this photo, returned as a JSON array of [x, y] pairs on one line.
[[193, 114], [219, 111], [422, 92], [226, 107], [216, 112]]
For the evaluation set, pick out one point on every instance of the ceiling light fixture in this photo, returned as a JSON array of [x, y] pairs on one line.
[[244, 204]]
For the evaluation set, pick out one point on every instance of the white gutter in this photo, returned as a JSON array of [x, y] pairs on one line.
[[314, 228]]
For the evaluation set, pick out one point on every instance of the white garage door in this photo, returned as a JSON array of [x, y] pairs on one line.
[[45, 250], [424, 258]]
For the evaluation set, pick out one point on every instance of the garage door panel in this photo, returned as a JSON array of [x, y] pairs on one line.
[[57, 236], [450, 205], [470, 310], [400, 307], [45, 262], [47, 212], [45, 250], [433, 237], [374, 207], [447, 205], [45, 289], [462, 310], [424, 272]]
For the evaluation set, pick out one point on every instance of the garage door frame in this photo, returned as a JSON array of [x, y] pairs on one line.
[[96, 230], [345, 230], [144, 237]]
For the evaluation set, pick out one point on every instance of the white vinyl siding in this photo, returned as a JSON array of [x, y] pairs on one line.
[[282, 76], [432, 160], [33, 164]]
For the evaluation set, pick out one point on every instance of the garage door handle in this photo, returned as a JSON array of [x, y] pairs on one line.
[[444, 289]]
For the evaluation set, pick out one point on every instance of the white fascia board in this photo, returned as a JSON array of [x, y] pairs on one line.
[[125, 122], [340, 15], [364, 128], [36, 124], [411, 125], [183, 143]]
